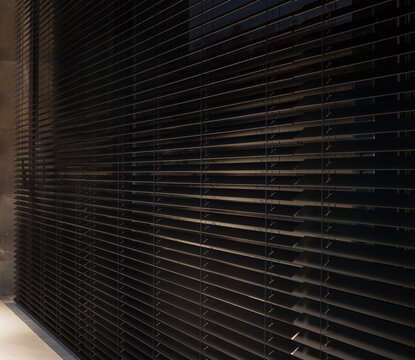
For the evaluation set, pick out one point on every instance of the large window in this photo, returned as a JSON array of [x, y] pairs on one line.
[[218, 179]]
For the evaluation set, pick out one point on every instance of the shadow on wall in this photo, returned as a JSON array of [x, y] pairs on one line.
[[7, 135]]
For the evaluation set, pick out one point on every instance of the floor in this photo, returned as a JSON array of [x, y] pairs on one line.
[[22, 338]]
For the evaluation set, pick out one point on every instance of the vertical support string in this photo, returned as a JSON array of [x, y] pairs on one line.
[[201, 189], [266, 189], [322, 179], [154, 199], [204, 191], [119, 214]]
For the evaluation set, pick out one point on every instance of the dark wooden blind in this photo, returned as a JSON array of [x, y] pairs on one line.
[[218, 179]]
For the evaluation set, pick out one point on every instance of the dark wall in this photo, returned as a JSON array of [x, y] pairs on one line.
[[7, 133]]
